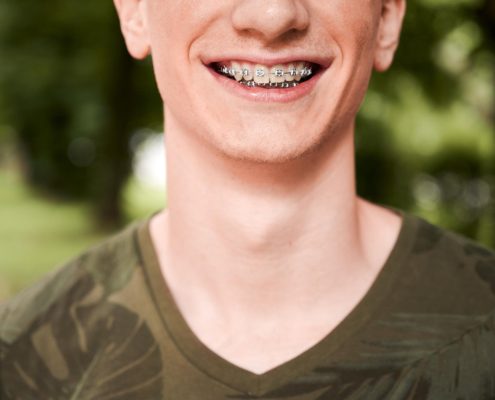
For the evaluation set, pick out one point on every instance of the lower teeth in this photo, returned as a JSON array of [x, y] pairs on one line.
[[273, 85]]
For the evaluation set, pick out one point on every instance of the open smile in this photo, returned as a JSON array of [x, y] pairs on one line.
[[282, 76], [268, 82]]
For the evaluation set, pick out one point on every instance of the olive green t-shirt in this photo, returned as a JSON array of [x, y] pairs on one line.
[[105, 327]]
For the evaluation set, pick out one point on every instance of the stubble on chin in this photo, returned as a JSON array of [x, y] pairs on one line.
[[266, 146]]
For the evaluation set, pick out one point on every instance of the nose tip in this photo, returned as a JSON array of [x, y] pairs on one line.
[[270, 19]]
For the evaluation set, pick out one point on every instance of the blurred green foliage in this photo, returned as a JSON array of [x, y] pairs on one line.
[[71, 99], [426, 138]]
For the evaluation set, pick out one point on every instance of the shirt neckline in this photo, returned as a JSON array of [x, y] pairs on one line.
[[246, 381]]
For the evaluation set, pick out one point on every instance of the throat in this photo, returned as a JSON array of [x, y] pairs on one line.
[[259, 351]]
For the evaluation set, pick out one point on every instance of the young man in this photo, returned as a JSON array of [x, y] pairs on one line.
[[266, 277]]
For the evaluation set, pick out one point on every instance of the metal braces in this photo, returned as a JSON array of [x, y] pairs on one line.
[[283, 85], [259, 72]]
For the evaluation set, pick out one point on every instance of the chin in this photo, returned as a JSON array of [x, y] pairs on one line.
[[261, 156], [266, 146]]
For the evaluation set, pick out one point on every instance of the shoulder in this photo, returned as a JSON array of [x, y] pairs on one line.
[[107, 265], [434, 334], [82, 330], [436, 240], [453, 298], [452, 259]]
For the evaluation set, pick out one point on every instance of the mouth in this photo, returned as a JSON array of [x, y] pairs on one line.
[[278, 76]]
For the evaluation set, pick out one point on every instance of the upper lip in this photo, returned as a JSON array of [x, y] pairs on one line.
[[268, 59]]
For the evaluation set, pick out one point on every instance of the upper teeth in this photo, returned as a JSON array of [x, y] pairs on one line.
[[263, 75]]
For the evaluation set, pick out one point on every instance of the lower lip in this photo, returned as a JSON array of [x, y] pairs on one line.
[[263, 95]]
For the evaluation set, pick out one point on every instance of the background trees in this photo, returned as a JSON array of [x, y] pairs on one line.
[[71, 99], [426, 139]]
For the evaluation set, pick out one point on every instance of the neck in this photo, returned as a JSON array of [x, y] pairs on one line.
[[261, 240]]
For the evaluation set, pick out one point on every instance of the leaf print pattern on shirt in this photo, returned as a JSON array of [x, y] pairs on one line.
[[410, 360], [92, 350]]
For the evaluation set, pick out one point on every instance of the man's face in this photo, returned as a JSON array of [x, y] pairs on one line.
[[263, 41]]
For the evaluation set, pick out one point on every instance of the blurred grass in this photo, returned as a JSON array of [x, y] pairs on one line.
[[37, 234]]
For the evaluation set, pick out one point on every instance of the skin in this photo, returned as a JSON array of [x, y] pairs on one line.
[[265, 244]]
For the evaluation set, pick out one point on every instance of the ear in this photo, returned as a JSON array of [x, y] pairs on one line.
[[389, 32], [134, 27]]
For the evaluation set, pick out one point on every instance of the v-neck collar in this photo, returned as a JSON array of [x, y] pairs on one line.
[[248, 382]]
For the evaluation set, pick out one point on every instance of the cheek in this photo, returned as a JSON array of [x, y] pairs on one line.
[[355, 28], [167, 55], [174, 28], [352, 24]]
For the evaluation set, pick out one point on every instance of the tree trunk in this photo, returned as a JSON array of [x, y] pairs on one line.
[[115, 158]]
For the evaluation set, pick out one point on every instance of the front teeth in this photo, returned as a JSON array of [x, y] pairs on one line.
[[277, 74], [260, 75]]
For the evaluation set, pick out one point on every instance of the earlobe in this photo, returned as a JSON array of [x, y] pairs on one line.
[[133, 26], [389, 33]]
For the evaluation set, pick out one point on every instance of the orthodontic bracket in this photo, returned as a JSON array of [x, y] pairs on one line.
[[304, 72]]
